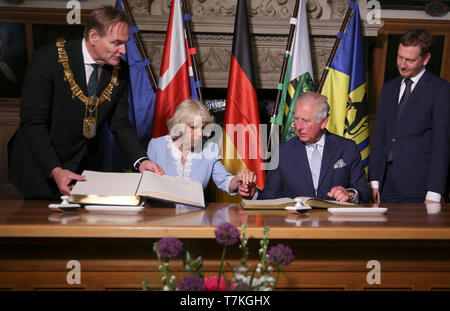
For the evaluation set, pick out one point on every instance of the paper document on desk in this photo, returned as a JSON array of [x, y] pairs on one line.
[[130, 188]]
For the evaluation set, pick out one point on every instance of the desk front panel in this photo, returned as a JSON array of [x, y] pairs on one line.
[[411, 244]]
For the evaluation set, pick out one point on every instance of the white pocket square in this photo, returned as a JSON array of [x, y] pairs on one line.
[[340, 163]]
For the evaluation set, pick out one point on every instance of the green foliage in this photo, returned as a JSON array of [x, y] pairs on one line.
[[194, 266], [146, 284]]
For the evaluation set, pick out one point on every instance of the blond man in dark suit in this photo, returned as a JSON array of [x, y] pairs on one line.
[[70, 90]]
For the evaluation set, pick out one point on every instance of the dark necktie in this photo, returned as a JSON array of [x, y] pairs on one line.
[[405, 96], [93, 81]]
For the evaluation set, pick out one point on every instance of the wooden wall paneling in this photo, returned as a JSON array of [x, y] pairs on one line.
[[122, 264], [445, 69], [379, 63], [38, 15], [29, 39], [9, 121]]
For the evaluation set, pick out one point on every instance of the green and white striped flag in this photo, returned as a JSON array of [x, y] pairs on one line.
[[298, 79]]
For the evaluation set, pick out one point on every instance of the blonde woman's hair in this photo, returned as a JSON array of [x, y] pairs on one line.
[[186, 112]]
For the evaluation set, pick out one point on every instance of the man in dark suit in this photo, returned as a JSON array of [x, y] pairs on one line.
[[410, 149], [68, 92], [316, 163]]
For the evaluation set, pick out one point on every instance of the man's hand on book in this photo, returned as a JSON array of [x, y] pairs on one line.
[[340, 194], [148, 165], [64, 178]]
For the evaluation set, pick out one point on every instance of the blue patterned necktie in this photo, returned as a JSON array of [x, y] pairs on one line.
[[315, 164], [93, 81]]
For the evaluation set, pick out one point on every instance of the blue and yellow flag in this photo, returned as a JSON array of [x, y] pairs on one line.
[[345, 87]]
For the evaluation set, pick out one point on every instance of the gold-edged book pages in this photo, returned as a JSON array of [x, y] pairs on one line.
[[170, 188], [128, 188], [281, 203], [107, 188]]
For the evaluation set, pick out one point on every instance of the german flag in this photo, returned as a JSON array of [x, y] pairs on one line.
[[241, 142]]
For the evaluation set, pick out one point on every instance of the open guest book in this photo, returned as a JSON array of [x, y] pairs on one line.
[[282, 203], [132, 188]]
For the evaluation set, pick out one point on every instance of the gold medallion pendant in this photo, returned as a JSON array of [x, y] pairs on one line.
[[91, 103], [90, 117], [89, 127]]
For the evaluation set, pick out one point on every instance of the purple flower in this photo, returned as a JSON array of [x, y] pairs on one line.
[[241, 287], [281, 254], [227, 234], [169, 248], [191, 282]]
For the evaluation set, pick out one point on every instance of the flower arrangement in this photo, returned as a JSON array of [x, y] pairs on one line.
[[261, 278]]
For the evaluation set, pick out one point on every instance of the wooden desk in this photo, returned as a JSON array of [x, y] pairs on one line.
[[411, 243]]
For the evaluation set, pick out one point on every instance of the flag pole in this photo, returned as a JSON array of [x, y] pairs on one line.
[[283, 67], [140, 46], [193, 52], [344, 25]]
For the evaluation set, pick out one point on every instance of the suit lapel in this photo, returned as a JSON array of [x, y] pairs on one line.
[[105, 77], [329, 153], [303, 163], [395, 100], [76, 63]]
